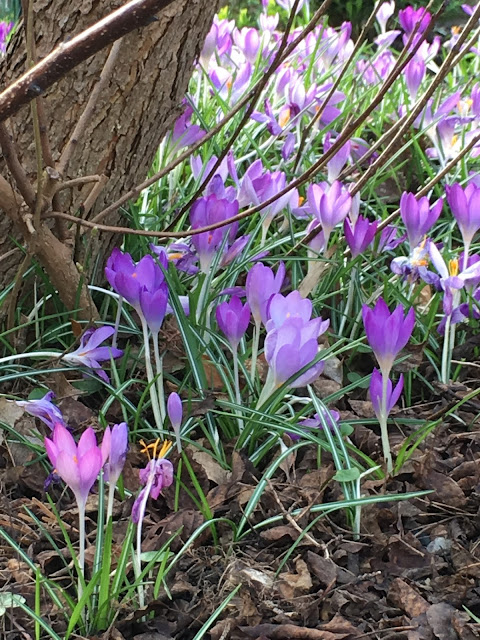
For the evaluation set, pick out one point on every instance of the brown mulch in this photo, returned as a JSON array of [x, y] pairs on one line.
[[409, 576]]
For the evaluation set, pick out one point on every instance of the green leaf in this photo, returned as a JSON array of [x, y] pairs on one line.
[[347, 475]]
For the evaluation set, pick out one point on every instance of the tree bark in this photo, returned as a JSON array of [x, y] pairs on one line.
[[137, 106]]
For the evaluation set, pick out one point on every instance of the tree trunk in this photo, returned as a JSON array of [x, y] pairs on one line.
[[139, 103]]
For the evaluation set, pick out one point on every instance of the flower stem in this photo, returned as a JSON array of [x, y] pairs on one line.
[[33, 354], [151, 377], [81, 551], [446, 354], [159, 368], [117, 321], [348, 304], [236, 383], [255, 342], [383, 424]]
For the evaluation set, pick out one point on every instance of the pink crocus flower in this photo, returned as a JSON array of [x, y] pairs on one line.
[[77, 465]]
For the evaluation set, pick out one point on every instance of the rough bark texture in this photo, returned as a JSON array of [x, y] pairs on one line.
[[140, 103]]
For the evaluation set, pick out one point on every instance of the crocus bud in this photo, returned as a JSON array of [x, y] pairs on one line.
[[175, 413]]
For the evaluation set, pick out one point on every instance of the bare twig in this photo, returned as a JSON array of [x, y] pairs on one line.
[[16, 169], [90, 107], [68, 55]]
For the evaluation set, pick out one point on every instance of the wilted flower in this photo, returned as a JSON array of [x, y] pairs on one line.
[[90, 354], [44, 409], [157, 474]]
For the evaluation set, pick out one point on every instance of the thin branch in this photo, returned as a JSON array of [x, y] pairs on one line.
[[16, 169], [68, 55], [75, 182], [90, 107]]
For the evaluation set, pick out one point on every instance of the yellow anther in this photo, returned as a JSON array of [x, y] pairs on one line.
[[153, 446], [453, 267], [301, 200], [284, 118], [175, 256], [456, 30]]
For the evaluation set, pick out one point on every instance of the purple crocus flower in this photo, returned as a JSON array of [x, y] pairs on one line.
[[90, 353], [77, 465], [409, 18], [387, 333], [414, 74], [175, 413], [128, 278], [330, 206], [329, 418], [207, 211], [44, 409], [338, 161], [261, 285], [157, 474], [465, 205], [289, 348], [418, 216], [233, 319], [388, 239], [385, 11], [360, 235], [114, 451], [376, 392], [248, 41], [184, 132], [153, 305], [282, 308]]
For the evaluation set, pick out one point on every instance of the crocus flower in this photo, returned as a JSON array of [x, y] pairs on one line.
[[385, 11], [175, 413], [330, 206], [418, 216], [233, 319], [465, 205], [184, 132], [153, 305], [248, 41], [114, 451], [261, 285], [154, 477], [289, 348], [128, 278], [77, 465], [90, 353], [414, 74], [328, 418], [338, 161], [411, 19], [44, 409], [376, 391], [207, 211], [387, 333], [360, 235]]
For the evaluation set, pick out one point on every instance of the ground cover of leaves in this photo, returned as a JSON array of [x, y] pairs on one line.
[[409, 576]]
